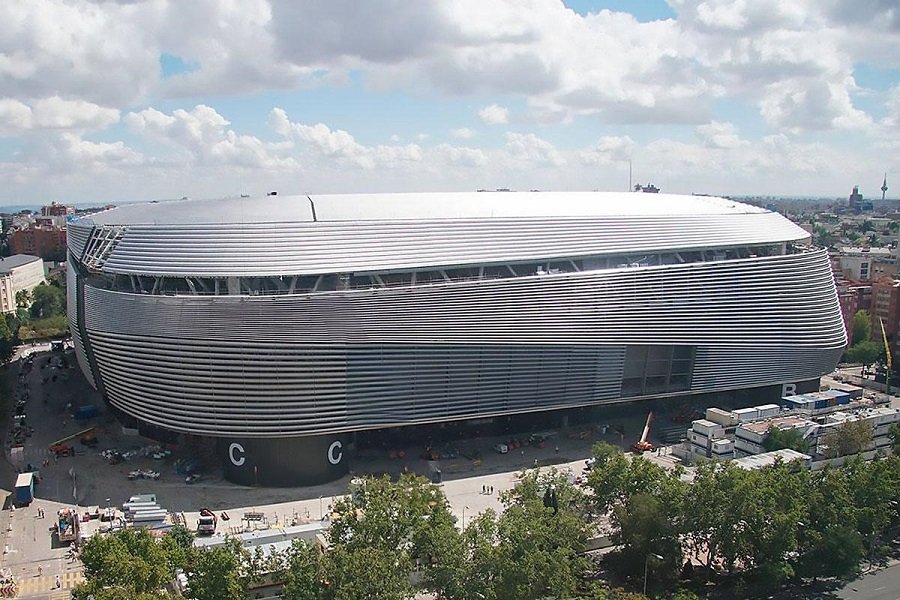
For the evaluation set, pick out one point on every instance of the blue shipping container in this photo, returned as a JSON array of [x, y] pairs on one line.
[[24, 488]]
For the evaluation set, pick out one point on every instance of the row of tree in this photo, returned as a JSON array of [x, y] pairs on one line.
[[393, 539], [40, 312], [770, 524]]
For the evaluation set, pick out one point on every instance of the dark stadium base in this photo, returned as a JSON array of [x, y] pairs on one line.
[[313, 460], [284, 462]]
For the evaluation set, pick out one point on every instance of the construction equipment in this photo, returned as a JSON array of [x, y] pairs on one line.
[[67, 525], [61, 441], [206, 524], [643, 445]]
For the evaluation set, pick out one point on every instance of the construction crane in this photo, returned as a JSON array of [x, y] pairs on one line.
[[887, 352], [72, 437], [643, 445]]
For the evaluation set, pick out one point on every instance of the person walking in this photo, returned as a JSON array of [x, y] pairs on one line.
[[40, 570], [58, 581]]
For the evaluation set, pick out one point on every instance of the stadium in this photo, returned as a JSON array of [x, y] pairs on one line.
[[281, 325]]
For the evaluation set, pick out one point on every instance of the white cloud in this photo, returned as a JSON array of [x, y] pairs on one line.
[[565, 65], [716, 134], [463, 133], [322, 142], [494, 114], [17, 117], [609, 150], [202, 134], [892, 119], [529, 148], [461, 156]]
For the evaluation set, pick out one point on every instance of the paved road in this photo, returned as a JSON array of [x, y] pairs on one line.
[[881, 585]]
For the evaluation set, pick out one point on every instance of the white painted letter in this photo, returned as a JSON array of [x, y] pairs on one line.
[[788, 389], [332, 457], [236, 460]]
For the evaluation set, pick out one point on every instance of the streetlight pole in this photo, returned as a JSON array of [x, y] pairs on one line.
[[646, 564], [464, 518]]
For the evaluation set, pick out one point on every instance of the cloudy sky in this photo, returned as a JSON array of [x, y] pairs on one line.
[[135, 100]]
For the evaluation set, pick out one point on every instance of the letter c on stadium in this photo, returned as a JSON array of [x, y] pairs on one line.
[[332, 458], [232, 450]]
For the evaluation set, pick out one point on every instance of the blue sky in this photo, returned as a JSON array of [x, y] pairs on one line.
[[214, 99]]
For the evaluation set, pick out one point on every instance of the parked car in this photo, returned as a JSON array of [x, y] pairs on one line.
[[501, 448]]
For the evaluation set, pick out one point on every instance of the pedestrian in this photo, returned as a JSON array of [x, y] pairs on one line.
[[58, 582], [40, 570], [492, 490], [557, 449], [483, 490]]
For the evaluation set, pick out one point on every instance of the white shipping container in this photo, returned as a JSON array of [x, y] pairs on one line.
[[768, 410], [721, 446], [746, 414], [722, 417], [707, 428]]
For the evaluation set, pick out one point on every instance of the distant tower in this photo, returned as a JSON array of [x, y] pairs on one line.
[[856, 200], [884, 187]]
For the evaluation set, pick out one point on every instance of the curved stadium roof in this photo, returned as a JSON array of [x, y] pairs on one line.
[[416, 206], [276, 235]]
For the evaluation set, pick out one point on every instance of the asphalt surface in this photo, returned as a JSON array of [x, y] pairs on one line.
[[880, 585]]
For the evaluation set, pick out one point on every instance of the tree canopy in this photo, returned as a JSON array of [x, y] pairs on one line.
[[394, 539], [862, 327]]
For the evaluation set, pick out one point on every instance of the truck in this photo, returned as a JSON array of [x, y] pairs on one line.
[[67, 525], [24, 489], [206, 524]]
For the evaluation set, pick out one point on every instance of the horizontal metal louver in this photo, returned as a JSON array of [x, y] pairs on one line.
[[342, 361]]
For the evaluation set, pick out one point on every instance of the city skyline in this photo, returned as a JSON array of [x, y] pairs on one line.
[[109, 103]]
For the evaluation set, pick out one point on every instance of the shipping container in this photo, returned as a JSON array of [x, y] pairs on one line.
[[24, 489], [746, 414], [722, 417]]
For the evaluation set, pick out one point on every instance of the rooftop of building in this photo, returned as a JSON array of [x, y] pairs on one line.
[[8, 263], [864, 250], [787, 422], [768, 459], [416, 206]]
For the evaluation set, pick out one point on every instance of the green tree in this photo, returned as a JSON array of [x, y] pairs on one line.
[[367, 573], [216, 573], [779, 439], [7, 342], [829, 545], [874, 486], [850, 438], [23, 299], [304, 577], [646, 530], [541, 537], [862, 327], [48, 301], [866, 352], [128, 563], [711, 521], [178, 545], [895, 438]]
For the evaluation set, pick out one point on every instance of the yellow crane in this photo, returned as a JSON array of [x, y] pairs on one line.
[[887, 352]]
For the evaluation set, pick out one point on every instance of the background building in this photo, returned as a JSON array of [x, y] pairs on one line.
[[17, 273], [282, 325]]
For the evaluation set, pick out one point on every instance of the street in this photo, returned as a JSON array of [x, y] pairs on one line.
[[881, 585]]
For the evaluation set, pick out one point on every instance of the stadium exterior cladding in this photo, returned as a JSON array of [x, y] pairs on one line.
[[285, 317]]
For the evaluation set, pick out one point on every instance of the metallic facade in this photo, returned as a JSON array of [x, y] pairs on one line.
[[302, 316]]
